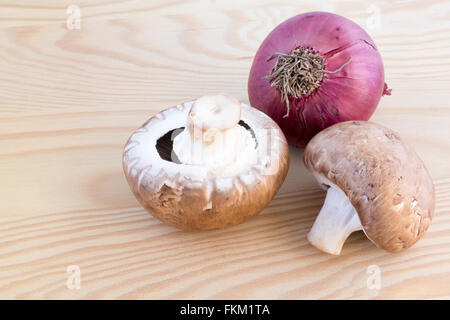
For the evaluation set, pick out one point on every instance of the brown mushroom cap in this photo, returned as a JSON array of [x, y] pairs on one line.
[[196, 197], [383, 177]]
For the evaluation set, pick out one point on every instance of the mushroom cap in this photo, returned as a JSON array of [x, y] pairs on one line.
[[197, 197], [383, 177]]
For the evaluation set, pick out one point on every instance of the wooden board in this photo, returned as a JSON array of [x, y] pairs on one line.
[[70, 98]]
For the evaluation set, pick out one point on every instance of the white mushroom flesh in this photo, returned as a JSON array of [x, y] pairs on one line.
[[337, 219], [213, 137]]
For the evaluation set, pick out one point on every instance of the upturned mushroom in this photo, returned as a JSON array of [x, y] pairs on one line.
[[375, 182], [206, 164]]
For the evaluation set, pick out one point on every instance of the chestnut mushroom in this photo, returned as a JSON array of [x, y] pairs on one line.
[[206, 164], [375, 182]]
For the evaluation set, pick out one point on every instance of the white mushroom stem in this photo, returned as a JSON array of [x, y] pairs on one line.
[[212, 135], [336, 221]]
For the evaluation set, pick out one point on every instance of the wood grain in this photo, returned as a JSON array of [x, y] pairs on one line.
[[69, 99]]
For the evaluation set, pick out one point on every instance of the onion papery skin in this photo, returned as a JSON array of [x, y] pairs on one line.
[[353, 93]]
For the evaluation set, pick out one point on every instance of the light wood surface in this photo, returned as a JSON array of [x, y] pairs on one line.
[[69, 99]]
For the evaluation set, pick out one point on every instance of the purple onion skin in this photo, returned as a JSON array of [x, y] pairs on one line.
[[350, 94]]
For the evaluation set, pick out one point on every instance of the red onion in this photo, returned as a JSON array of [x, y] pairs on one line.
[[314, 70]]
